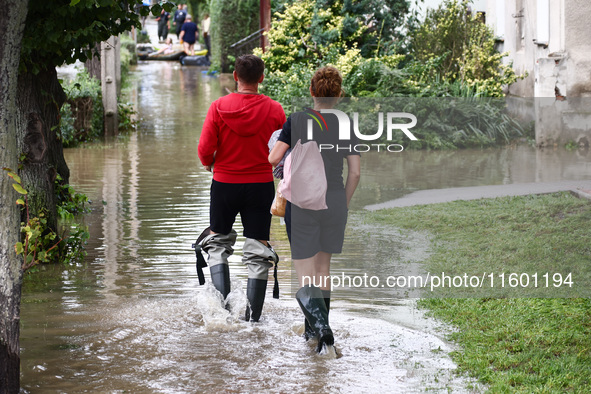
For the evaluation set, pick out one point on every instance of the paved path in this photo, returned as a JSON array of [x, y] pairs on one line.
[[434, 196]]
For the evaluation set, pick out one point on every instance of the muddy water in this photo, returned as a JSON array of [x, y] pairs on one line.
[[132, 317]]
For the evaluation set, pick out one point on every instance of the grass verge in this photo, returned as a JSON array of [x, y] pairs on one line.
[[513, 344]]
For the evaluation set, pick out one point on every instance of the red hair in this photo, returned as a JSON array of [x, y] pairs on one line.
[[326, 82]]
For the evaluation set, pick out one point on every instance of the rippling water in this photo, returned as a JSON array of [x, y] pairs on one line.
[[132, 317]]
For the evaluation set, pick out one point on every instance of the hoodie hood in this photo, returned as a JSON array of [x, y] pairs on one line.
[[243, 114]]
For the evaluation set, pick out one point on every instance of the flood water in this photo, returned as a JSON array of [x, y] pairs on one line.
[[133, 318]]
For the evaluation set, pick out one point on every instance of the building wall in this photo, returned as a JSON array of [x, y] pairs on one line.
[[550, 40], [577, 39], [553, 46]]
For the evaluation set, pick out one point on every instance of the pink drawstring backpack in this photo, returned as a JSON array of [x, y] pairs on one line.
[[304, 180]]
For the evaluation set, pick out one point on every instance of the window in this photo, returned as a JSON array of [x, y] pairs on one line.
[[500, 25], [542, 22]]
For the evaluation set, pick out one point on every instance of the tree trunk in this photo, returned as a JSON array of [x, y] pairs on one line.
[[12, 21], [39, 100]]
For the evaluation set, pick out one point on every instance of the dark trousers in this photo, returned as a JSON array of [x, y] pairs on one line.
[[207, 45], [162, 30], [251, 200]]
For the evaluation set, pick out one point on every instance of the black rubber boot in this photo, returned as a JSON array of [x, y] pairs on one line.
[[312, 302], [308, 330], [220, 276], [255, 292]]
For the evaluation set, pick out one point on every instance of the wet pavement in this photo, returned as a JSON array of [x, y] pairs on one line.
[[433, 196]]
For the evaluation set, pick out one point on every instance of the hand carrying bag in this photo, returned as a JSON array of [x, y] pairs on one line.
[[278, 206]]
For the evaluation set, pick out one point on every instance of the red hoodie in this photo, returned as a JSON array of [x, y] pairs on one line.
[[237, 129]]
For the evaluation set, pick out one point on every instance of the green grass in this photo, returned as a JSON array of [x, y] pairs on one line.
[[513, 344], [533, 234]]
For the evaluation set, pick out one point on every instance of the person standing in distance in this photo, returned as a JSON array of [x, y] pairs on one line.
[[178, 19], [206, 23], [235, 134], [163, 25], [189, 34]]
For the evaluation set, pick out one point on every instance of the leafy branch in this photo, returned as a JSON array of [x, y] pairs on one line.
[[38, 243]]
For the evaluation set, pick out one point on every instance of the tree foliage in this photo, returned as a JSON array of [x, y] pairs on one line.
[[383, 20]]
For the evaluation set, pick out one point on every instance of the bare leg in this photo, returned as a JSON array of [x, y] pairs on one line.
[[314, 270], [187, 48]]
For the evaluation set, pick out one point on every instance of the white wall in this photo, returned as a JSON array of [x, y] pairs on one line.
[[551, 41], [422, 5]]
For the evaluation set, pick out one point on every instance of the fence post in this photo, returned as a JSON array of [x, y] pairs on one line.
[[110, 79], [265, 22]]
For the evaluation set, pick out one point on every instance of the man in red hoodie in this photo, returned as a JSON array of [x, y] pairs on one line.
[[233, 144]]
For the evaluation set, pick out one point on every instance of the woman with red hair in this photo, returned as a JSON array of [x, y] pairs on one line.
[[316, 235]]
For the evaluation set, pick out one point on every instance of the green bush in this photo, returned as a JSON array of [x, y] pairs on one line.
[[67, 130], [82, 115], [128, 54], [287, 86], [450, 54], [231, 21], [143, 37], [323, 31], [450, 123], [126, 115], [69, 202], [442, 123], [41, 244], [463, 47]]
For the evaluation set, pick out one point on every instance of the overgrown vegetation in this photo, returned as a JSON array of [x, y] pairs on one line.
[[128, 55], [82, 115], [70, 203], [451, 53], [459, 47], [231, 21], [446, 123], [314, 32], [39, 243], [513, 344]]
